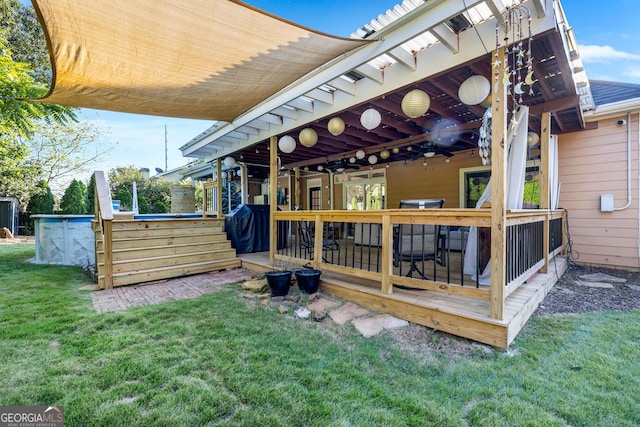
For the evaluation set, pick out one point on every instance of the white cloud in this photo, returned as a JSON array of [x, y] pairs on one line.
[[595, 53]]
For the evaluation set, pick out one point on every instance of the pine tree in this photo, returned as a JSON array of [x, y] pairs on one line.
[[91, 188], [74, 199]]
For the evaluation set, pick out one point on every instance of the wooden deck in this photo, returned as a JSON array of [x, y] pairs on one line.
[[458, 315]]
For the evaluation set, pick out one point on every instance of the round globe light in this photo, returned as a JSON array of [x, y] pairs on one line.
[[360, 154], [308, 137], [395, 150], [474, 90], [372, 159], [287, 144], [352, 160], [415, 103], [336, 126], [384, 154], [229, 161], [370, 119], [532, 138]]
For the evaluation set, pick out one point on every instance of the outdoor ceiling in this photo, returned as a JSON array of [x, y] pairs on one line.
[[433, 46]]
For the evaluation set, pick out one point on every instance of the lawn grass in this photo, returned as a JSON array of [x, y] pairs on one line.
[[216, 361]]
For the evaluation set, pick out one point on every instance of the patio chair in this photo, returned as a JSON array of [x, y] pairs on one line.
[[417, 243], [306, 230]]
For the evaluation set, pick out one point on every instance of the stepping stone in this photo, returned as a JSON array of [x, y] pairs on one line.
[[602, 285], [347, 312], [371, 326], [323, 304], [368, 328], [601, 277]]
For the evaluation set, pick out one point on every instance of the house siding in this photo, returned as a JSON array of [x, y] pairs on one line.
[[592, 163]]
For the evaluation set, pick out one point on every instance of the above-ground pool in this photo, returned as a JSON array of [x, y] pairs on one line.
[[64, 239], [70, 240]]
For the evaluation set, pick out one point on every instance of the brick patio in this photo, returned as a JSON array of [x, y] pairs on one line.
[[181, 288]]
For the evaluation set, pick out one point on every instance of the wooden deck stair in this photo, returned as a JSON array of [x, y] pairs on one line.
[[155, 249]]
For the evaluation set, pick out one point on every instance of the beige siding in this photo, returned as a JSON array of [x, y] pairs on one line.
[[592, 163]]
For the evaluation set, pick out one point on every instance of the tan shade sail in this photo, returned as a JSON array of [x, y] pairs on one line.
[[202, 59]]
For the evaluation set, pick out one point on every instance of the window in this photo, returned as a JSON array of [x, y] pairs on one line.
[[364, 190], [473, 182]]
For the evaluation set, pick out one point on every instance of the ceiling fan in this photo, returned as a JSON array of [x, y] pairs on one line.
[[430, 149]]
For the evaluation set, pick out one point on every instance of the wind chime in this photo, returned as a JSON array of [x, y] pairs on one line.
[[518, 70]]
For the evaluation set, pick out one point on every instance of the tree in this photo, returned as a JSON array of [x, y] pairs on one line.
[[126, 199], [91, 190], [74, 199], [40, 203], [153, 190], [59, 151], [17, 117]]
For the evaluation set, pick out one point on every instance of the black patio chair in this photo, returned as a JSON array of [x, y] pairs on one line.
[[417, 243], [306, 229]]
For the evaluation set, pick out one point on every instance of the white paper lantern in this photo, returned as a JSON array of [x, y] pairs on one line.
[[239, 172], [532, 138], [373, 159], [370, 119], [336, 126], [229, 161], [415, 103], [287, 144], [474, 90], [360, 154], [395, 150], [384, 154], [352, 160], [308, 137]]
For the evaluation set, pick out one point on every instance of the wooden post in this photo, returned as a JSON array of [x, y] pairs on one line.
[[317, 242], [545, 180], [218, 187], [105, 214], [387, 258], [297, 187], [273, 188], [498, 194]]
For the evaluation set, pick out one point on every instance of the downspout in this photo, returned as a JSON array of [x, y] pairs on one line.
[[628, 165]]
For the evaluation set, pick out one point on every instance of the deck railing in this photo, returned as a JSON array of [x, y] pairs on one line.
[[368, 245]]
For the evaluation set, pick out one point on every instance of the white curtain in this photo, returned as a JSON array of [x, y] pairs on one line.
[[516, 168], [554, 186]]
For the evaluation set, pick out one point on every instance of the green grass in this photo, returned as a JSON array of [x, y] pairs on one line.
[[215, 361]]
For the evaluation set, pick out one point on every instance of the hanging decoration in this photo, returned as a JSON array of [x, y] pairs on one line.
[[229, 162], [532, 138], [484, 142], [287, 144], [370, 118], [415, 103], [336, 126], [518, 67], [308, 137], [360, 154], [372, 159], [474, 90], [384, 154]]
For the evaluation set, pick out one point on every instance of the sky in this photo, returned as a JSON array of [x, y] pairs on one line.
[[607, 33]]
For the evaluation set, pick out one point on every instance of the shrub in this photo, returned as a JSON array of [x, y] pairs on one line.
[[74, 200]]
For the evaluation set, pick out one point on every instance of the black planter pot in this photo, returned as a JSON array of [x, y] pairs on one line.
[[279, 282], [308, 280]]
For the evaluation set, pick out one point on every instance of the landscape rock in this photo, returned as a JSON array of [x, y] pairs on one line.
[[313, 297], [293, 298], [602, 277], [302, 313], [282, 309], [589, 284], [319, 316], [257, 286]]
